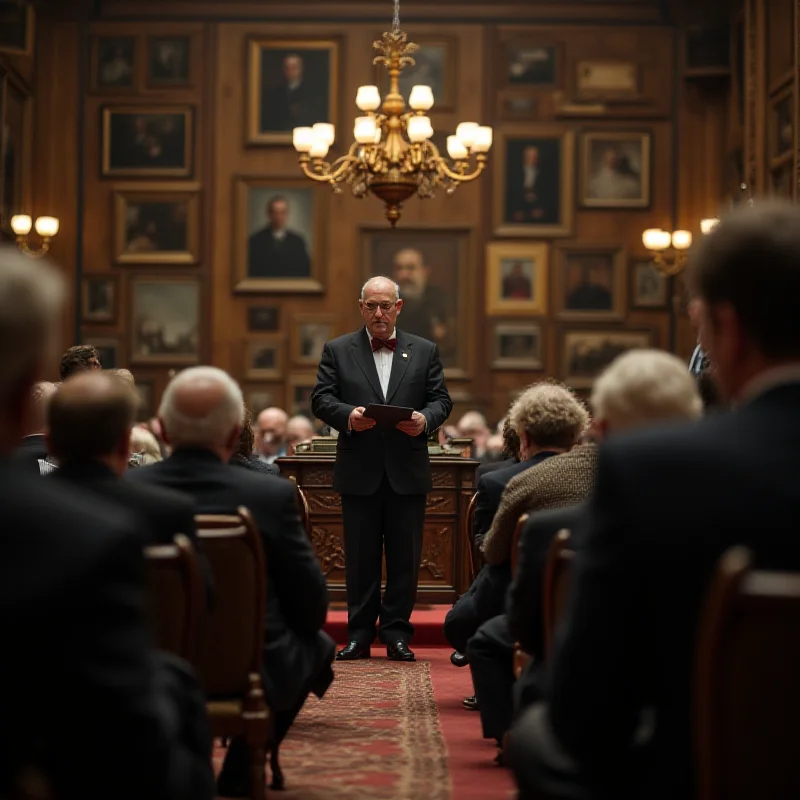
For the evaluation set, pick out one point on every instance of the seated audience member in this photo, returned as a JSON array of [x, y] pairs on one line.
[[472, 425], [244, 455], [639, 388], [271, 434], [32, 450], [85, 702], [144, 445], [667, 505], [81, 358], [548, 419], [201, 413], [298, 430], [510, 454]]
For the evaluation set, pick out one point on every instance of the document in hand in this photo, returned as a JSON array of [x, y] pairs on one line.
[[387, 416]]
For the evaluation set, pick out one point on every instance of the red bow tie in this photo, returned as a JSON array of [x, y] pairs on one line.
[[389, 344]]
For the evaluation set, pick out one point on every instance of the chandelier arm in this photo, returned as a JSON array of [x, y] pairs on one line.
[[460, 177]]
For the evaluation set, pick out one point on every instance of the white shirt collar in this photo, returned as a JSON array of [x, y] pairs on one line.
[[392, 335], [767, 380]]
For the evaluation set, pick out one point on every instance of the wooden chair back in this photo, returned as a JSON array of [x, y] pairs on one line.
[[302, 507], [557, 579], [469, 538], [515, 543], [746, 691], [175, 596], [232, 643]]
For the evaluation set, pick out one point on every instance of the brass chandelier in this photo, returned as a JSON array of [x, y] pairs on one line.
[[393, 156]]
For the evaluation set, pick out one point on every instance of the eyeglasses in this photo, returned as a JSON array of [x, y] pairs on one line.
[[385, 307]]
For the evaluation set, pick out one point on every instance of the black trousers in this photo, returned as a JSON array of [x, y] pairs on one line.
[[491, 662], [374, 523]]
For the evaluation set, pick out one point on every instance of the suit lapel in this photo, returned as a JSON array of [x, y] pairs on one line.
[[400, 362], [365, 360]]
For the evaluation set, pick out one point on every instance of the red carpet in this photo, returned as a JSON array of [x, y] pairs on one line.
[[427, 622]]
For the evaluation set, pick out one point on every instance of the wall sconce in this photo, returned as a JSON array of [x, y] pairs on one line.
[[658, 241], [46, 228]]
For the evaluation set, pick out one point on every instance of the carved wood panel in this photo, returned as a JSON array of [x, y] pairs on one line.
[[444, 477], [436, 564], [441, 503], [321, 501], [328, 542]]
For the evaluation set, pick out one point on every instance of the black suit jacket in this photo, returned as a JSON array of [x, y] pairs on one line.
[[297, 597], [78, 655], [347, 378], [544, 196], [269, 258], [490, 491], [30, 450], [667, 504], [491, 466]]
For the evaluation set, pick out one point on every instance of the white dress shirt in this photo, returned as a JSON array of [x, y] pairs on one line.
[[383, 363]]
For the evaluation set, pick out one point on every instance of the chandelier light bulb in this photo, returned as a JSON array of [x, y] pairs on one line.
[[46, 227], [368, 98], [324, 132], [456, 148], [364, 130], [483, 139], [302, 139], [378, 132], [319, 149], [681, 240], [656, 239], [421, 98], [419, 129], [466, 132], [21, 224]]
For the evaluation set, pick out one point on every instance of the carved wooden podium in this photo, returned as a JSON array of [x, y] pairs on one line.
[[444, 573]]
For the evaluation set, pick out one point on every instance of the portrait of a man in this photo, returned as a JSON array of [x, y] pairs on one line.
[[616, 170], [115, 62], [292, 85], [533, 181], [147, 143], [518, 279], [532, 65], [168, 60], [280, 233], [589, 283]]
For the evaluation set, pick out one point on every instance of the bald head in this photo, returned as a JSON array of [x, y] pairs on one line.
[[271, 431], [40, 398], [203, 407], [90, 417], [298, 429], [380, 284]]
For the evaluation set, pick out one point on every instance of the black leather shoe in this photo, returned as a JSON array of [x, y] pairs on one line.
[[352, 652], [399, 652], [458, 659], [470, 703]]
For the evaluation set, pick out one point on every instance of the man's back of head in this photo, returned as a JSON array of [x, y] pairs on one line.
[[203, 408], [90, 419], [80, 358]]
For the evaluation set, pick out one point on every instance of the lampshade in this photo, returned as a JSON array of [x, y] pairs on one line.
[[364, 130], [681, 240], [319, 149], [368, 98], [419, 129], [656, 239], [21, 224], [483, 139], [46, 227], [456, 148], [302, 139], [708, 225], [466, 132], [421, 98], [324, 132]]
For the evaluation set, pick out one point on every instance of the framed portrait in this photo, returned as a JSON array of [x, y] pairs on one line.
[[533, 181], [532, 64], [649, 286], [140, 141], [108, 350], [260, 396], [279, 229], [165, 319], [601, 79], [16, 27], [263, 318], [781, 127], [586, 353], [15, 150], [590, 283], [290, 83], [615, 169], [518, 345], [113, 63], [432, 269], [435, 65], [310, 332], [300, 388], [264, 357], [157, 224], [168, 61], [99, 298], [517, 277]]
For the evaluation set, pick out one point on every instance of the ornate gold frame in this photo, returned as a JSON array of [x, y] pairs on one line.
[[496, 253]]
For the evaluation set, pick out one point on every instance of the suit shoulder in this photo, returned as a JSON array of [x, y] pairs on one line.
[[418, 341], [345, 339], [163, 495], [260, 484]]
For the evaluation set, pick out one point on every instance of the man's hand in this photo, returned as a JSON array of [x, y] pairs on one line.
[[413, 426], [358, 422]]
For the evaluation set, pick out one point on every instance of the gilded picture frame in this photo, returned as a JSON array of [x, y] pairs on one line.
[[309, 334], [518, 345], [517, 278], [615, 168], [585, 352], [264, 357]]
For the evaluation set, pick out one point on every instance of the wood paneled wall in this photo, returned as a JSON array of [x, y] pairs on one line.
[[683, 191]]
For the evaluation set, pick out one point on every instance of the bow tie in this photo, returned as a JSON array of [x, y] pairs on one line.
[[389, 344]]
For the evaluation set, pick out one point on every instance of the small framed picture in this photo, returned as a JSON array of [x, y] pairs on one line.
[[586, 353], [516, 278], [435, 65], [309, 335], [300, 388], [16, 27], [615, 169], [590, 283], [264, 357], [113, 63], [157, 224], [108, 350], [532, 64], [145, 141], [168, 61], [264, 319], [99, 298], [648, 286], [260, 396], [165, 320], [601, 79], [518, 345]]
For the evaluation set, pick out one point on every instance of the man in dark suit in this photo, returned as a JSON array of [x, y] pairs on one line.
[[275, 251], [383, 475], [667, 505], [294, 102], [77, 651], [532, 189], [201, 412], [32, 448]]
